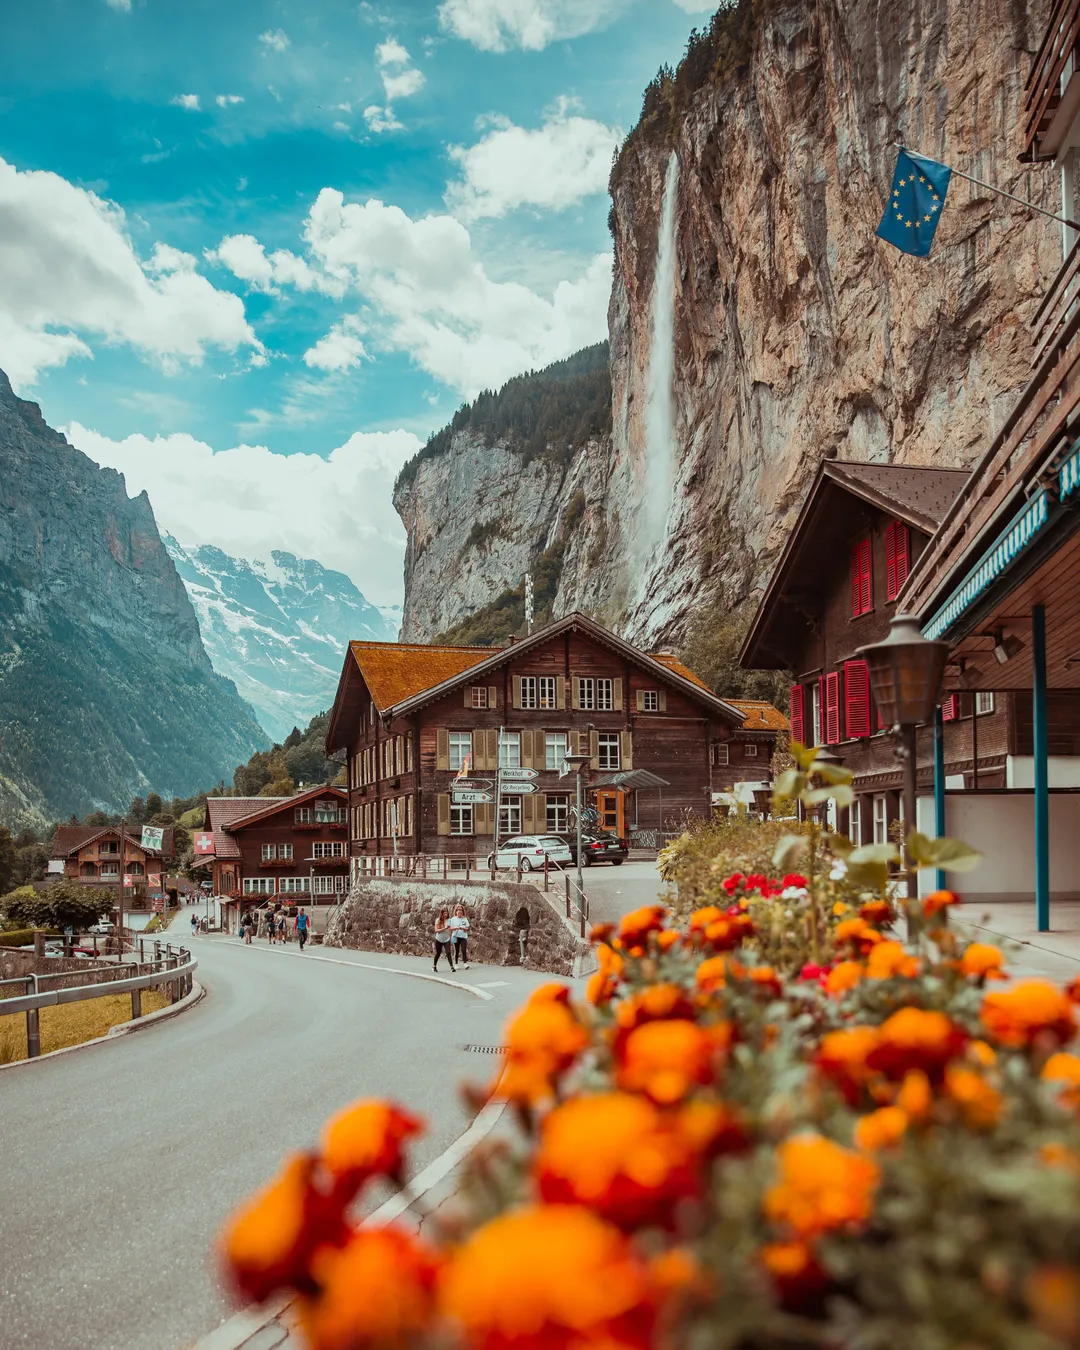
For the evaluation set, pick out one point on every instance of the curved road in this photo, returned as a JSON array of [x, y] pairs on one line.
[[120, 1162]]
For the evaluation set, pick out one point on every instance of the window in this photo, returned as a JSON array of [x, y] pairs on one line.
[[329, 849], [586, 694], [555, 749], [605, 695], [303, 815], [110, 869], [328, 813], [608, 750], [510, 815], [881, 820], [650, 700], [558, 814], [856, 821], [528, 691], [460, 748], [984, 703], [545, 687], [137, 869], [856, 699], [294, 885], [109, 846], [897, 550], [461, 819], [750, 751], [814, 729], [510, 751], [328, 885], [272, 851], [479, 695], [258, 885], [721, 754], [862, 590], [595, 695]]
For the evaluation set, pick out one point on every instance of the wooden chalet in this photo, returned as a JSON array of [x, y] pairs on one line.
[[411, 717], [277, 848], [92, 854]]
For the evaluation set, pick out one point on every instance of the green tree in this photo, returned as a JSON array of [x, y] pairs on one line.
[[283, 787], [154, 805], [57, 906], [8, 858], [136, 812], [712, 653]]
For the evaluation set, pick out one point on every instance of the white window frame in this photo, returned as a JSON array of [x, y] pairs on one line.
[[609, 751], [510, 752], [881, 818], [529, 694], [750, 750], [721, 755], [556, 748], [650, 700], [586, 693], [136, 869], [329, 885], [461, 745], [328, 848], [304, 815], [558, 810], [546, 692], [461, 820], [294, 885], [109, 846], [984, 703], [509, 817], [258, 885], [110, 869], [605, 695], [479, 696], [815, 715], [856, 820]]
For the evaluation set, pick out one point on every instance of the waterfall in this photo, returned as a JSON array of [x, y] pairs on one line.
[[658, 479]]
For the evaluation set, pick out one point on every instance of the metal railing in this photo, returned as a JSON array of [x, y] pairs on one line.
[[1043, 90], [173, 968]]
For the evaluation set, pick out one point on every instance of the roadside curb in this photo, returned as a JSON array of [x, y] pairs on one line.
[[240, 1330], [121, 1029]]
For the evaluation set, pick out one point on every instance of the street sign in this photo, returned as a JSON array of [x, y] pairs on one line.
[[517, 775], [520, 789], [470, 784], [469, 798]]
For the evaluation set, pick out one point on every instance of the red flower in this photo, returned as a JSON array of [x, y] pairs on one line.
[[794, 879]]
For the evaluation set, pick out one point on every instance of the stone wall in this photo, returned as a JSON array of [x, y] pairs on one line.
[[392, 915]]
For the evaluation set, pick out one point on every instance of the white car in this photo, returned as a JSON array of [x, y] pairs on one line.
[[102, 926], [529, 851]]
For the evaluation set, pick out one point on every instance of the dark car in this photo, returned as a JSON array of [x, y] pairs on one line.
[[597, 848]]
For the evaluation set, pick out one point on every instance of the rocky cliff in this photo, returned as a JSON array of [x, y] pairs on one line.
[[796, 334], [105, 687]]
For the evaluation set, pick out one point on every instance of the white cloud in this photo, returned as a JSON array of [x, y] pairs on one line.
[[338, 508], [124, 6], [71, 273], [392, 53], [697, 6], [224, 100], [497, 25], [381, 119], [400, 78], [274, 40], [248, 261], [567, 159], [429, 296], [189, 102], [404, 85], [340, 349]]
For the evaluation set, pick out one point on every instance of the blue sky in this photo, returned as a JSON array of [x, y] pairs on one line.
[[252, 253]]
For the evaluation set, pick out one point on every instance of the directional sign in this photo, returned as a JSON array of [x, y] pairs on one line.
[[517, 775], [520, 789], [467, 798], [470, 783]]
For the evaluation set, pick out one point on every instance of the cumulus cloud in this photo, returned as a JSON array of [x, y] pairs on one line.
[[274, 40], [226, 497], [381, 119], [400, 78], [124, 6], [71, 274], [224, 100], [249, 262], [392, 53], [404, 84], [189, 102], [498, 25], [430, 296], [566, 160], [341, 349]]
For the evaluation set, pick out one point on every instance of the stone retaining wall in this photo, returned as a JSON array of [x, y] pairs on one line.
[[398, 915]]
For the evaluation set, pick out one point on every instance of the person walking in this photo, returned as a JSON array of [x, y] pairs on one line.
[[459, 936], [301, 928], [194, 922], [247, 923], [442, 940]]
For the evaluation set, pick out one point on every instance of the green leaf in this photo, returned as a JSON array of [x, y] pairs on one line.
[[874, 853], [833, 773], [842, 795], [870, 875], [803, 755], [790, 784], [839, 845], [789, 851], [951, 855]]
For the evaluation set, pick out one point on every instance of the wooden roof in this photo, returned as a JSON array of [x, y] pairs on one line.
[[760, 715], [396, 671], [228, 814], [673, 663], [69, 839]]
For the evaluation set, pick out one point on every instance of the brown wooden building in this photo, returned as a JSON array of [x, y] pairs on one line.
[[92, 854], [861, 530], [411, 717], [278, 848]]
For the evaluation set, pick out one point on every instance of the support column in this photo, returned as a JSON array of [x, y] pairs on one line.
[[1042, 791], [939, 788]]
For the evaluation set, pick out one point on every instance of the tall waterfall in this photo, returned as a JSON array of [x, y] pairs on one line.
[[658, 479]]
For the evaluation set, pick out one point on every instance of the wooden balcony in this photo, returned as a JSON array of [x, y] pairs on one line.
[[1052, 94], [1024, 454]]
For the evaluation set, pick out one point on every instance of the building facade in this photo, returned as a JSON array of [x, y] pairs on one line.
[[97, 856], [411, 718]]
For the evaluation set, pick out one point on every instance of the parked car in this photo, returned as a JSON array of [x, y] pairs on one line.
[[103, 925], [597, 848], [529, 851]]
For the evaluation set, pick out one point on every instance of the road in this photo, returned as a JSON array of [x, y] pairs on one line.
[[120, 1161], [615, 891]]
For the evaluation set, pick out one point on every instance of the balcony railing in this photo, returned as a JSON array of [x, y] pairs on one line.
[[1054, 61], [1025, 449]]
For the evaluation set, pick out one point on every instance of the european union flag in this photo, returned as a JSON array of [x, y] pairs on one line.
[[918, 196]]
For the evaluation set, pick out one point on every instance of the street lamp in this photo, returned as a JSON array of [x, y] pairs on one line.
[[577, 763], [905, 674]]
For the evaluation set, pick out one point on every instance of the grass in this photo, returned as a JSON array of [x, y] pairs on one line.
[[72, 1023]]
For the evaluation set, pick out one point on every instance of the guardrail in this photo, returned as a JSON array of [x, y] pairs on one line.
[[174, 968]]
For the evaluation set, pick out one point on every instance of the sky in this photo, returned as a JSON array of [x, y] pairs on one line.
[[252, 254]]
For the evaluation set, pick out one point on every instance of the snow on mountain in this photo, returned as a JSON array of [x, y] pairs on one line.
[[278, 627]]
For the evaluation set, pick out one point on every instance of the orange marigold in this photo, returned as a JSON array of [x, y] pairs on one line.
[[889, 960], [712, 973], [1072, 989], [1064, 1069], [549, 1277], [877, 912], [915, 1097], [842, 1058], [844, 976], [1052, 1292], [822, 1186], [667, 939], [652, 1004], [881, 1129], [797, 1276], [858, 933], [1057, 1154], [366, 1140], [728, 932], [914, 1038], [939, 901], [376, 1293], [603, 985], [979, 1102], [1032, 1011], [635, 927], [666, 1059], [982, 959], [542, 1042]]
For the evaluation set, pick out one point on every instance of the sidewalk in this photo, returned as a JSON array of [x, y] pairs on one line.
[[1052, 956]]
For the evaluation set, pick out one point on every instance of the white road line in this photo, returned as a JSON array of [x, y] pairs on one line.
[[494, 984]]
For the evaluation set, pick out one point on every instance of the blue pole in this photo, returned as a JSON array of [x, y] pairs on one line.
[[1042, 791], [939, 787]]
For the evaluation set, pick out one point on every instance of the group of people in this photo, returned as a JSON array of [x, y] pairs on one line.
[[452, 938], [274, 925]]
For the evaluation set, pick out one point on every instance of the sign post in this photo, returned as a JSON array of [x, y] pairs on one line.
[[469, 797]]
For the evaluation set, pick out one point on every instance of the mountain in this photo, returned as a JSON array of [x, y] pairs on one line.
[[106, 690], [756, 323], [278, 628]]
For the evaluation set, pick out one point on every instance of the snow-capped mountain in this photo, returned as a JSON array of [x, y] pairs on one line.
[[278, 627]]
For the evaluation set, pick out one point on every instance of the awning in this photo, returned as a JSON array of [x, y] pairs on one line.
[[633, 780]]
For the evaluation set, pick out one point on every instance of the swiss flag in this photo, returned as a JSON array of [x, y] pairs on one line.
[[204, 842]]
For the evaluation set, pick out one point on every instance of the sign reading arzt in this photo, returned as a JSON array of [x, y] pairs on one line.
[[465, 797]]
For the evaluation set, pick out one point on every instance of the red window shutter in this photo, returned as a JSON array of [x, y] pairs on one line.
[[798, 729], [862, 595], [903, 554], [832, 707], [890, 561], [856, 582], [856, 699], [897, 553], [950, 709]]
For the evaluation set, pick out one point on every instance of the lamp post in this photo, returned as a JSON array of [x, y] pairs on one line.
[[578, 762], [905, 675]]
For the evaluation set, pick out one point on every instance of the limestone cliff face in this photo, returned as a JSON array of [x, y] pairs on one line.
[[798, 334]]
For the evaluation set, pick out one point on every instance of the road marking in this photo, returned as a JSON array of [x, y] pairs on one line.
[[494, 984]]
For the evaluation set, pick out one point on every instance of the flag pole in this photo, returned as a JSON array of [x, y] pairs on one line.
[[1030, 206]]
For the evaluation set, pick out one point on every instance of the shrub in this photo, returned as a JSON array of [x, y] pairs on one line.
[[17, 937]]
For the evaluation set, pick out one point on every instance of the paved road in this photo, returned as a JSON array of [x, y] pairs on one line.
[[120, 1162], [615, 891]]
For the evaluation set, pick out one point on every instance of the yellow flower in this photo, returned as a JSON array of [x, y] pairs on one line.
[[843, 977], [822, 1186], [887, 960], [1032, 1011], [982, 959]]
